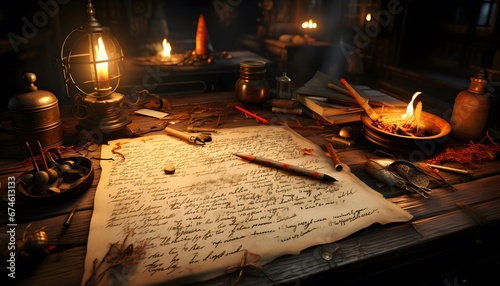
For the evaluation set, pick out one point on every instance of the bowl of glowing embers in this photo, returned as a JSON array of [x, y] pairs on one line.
[[406, 130]]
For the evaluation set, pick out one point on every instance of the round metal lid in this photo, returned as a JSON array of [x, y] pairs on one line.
[[33, 98]]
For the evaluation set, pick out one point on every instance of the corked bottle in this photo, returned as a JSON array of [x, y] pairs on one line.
[[252, 86], [471, 110]]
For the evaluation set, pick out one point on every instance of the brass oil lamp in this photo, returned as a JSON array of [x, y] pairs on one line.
[[92, 61]]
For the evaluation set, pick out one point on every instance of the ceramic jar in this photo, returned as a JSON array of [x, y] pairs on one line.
[[471, 110], [252, 86]]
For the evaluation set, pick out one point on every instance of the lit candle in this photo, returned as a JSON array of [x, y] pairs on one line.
[[165, 56], [309, 24], [165, 53], [102, 65]]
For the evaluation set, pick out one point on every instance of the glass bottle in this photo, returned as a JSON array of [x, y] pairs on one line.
[[283, 84], [252, 86], [471, 110]]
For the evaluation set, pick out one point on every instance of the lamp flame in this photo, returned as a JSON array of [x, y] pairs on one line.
[[309, 24], [102, 65], [165, 53], [409, 108], [368, 17]]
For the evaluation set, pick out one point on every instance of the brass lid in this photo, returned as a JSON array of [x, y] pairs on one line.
[[32, 99], [253, 64]]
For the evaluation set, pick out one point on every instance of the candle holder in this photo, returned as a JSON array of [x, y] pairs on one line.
[[92, 61]]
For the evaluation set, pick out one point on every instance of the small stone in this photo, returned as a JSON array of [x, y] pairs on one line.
[[169, 169]]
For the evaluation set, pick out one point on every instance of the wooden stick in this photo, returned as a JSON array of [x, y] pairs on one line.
[[338, 140], [185, 136], [344, 91], [35, 165], [333, 155], [361, 101], [338, 88], [42, 155], [435, 171], [69, 218], [451, 169]]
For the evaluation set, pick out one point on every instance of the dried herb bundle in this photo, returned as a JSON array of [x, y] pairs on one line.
[[118, 255], [471, 153]]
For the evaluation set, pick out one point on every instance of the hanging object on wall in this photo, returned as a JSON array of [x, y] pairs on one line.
[[203, 45]]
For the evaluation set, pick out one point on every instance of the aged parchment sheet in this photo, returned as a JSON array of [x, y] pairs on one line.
[[198, 221]]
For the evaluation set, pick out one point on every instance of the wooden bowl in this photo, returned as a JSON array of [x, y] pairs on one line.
[[67, 190], [437, 127]]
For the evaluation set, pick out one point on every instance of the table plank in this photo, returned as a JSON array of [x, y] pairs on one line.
[[445, 200], [441, 227], [62, 268]]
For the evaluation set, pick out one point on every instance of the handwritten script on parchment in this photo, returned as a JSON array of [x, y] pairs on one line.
[[198, 222]]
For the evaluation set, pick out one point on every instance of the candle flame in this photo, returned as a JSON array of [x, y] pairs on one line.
[[165, 53], [102, 64], [309, 24], [368, 17], [409, 108]]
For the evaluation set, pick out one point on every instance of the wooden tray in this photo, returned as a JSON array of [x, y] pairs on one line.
[[68, 191]]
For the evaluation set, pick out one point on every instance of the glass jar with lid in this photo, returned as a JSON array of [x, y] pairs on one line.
[[252, 86]]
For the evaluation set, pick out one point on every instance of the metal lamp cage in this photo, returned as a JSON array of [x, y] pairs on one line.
[[80, 61]]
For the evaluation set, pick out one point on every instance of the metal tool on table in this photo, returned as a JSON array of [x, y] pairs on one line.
[[399, 174]]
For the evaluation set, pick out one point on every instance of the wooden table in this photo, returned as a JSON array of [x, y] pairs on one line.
[[453, 236]]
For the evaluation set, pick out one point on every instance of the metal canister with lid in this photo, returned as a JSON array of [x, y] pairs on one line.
[[36, 117]]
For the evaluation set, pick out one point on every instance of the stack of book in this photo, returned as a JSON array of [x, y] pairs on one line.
[[326, 100]]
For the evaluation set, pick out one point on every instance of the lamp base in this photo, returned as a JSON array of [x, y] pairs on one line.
[[105, 114]]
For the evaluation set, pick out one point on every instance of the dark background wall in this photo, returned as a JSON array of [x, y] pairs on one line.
[[444, 36], [32, 32]]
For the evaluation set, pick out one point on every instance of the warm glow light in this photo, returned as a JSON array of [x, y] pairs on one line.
[[102, 65], [409, 108], [309, 24], [368, 17], [165, 53]]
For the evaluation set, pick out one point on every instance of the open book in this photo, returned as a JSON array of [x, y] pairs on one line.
[[318, 87]]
